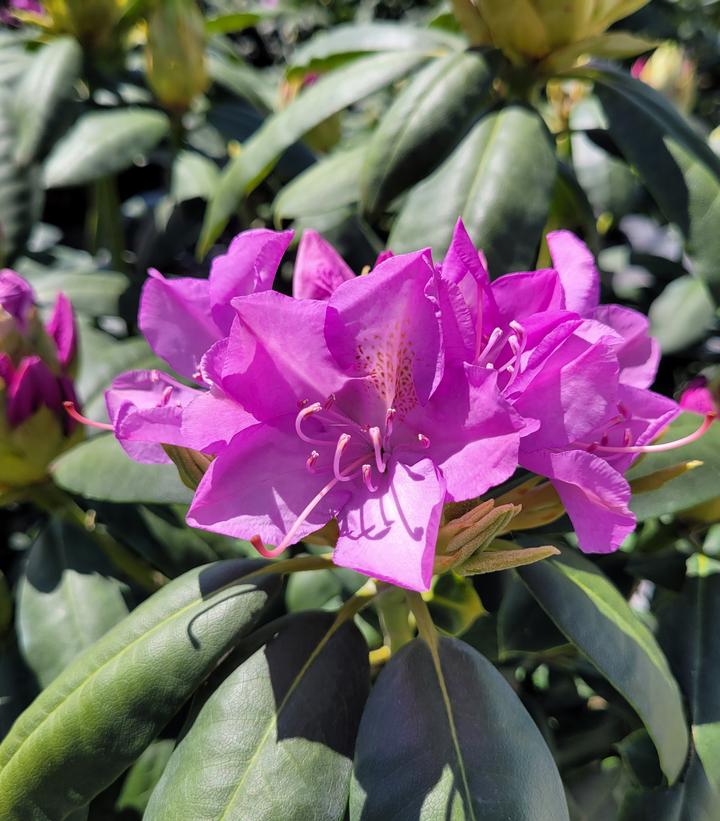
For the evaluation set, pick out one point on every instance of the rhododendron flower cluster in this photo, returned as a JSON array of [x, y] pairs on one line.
[[375, 400], [36, 364]]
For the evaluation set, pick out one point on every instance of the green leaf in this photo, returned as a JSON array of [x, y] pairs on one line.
[[243, 80], [45, 86], [143, 776], [261, 152], [682, 315], [426, 121], [95, 719], [95, 293], [100, 469], [355, 38], [691, 488], [522, 625], [20, 193], [446, 737], [330, 184], [193, 175], [67, 599], [231, 23], [102, 143], [455, 606], [594, 616], [500, 180], [290, 755]]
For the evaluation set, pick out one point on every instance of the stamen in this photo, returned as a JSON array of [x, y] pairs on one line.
[[73, 413], [165, 398], [423, 440], [661, 448], [154, 375], [312, 460], [367, 478], [289, 538], [309, 410], [342, 442], [376, 440], [495, 336], [389, 417], [329, 402]]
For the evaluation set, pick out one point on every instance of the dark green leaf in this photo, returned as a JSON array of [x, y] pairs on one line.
[[500, 180], [691, 488], [229, 23], [96, 293], [193, 175], [95, 719], [439, 738], [328, 96], [102, 143], [455, 605], [243, 80], [325, 187], [592, 613], [45, 86], [426, 121], [66, 600], [276, 738], [522, 626], [100, 469], [144, 775]]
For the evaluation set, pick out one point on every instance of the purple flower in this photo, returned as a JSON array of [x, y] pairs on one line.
[[319, 269], [698, 397], [357, 419], [16, 300]]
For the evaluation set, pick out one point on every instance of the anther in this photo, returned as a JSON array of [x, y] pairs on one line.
[[73, 413], [309, 410], [367, 478], [312, 460], [389, 417], [376, 440], [342, 442], [165, 397], [423, 440], [329, 402], [661, 448]]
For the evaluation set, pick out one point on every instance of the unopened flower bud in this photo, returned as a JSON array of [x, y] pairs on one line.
[[35, 379], [191, 464], [175, 53]]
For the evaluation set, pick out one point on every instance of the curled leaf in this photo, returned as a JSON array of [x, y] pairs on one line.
[[503, 555]]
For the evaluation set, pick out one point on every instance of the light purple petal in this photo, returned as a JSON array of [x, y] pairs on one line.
[[33, 386], [63, 330], [391, 534], [146, 409], [16, 297], [579, 275], [175, 319], [259, 485], [594, 494], [212, 419], [319, 269], [698, 397], [523, 294], [639, 354], [384, 325], [249, 266], [276, 355]]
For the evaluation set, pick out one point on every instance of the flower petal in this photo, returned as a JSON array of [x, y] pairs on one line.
[[522, 294], [639, 353], [594, 494], [259, 485], [16, 297], [33, 385], [391, 534], [175, 319], [212, 419], [63, 331], [579, 275], [319, 269], [249, 266]]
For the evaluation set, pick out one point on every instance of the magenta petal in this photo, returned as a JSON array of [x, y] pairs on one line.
[[384, 324], [249, 266], [391, 534], [319, 269], [579, 275], [33, 386], [276, 355], [212, 419], [520, 295], [462, 258], [16, 296], [146, 409], [594, 494], [696, 396], [175, 318], [259, 485], [63, 331], [639, 353]]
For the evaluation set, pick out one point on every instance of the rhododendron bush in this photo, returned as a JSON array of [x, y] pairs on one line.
[[358, 387]]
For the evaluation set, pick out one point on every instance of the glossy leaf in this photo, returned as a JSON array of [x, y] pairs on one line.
[[325, 187], [326, 97], [426, 121], [45, 86], [144, 775], [691, 488], [96, 293], [682, 315], [100, 469], [454, 723], [102, 143], [95, 719], [275, 738], [500, 180], [455, 605], [523, 626], [594, 616], [66, 600]]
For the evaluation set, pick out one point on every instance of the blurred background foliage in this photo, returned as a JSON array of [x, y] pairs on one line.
[[136, 134]]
